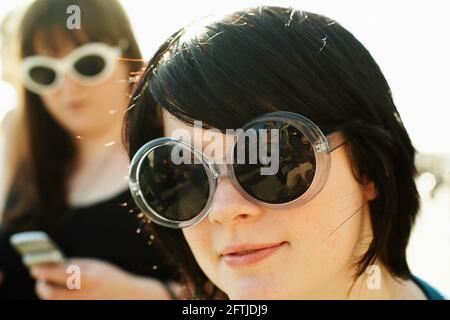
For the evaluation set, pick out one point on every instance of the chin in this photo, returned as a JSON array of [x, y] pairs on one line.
[[256, 289]]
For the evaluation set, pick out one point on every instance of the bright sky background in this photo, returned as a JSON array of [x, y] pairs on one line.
[[408, 39]]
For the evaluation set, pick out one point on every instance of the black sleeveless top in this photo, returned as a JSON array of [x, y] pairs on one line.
[[106, 230]]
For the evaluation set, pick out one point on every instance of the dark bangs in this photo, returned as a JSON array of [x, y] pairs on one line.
[[227, 72]]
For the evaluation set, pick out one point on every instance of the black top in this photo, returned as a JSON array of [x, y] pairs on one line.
[[106, 230]]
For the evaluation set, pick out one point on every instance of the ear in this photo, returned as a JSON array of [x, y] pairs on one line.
[[369, 189]]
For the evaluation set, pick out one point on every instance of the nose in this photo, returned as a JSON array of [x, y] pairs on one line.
[[230, 206], [69, 86]]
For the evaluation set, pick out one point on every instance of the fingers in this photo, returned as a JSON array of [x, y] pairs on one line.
[[100, 280], [51, 292], [54, 273]]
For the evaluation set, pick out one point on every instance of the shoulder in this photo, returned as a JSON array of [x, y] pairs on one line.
[[10, 126], [9, 121], [430, 292], [7, 151]]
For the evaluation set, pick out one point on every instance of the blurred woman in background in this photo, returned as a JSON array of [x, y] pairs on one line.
[[70, 179]]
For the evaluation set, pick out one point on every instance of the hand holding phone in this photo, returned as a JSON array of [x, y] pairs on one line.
[[36, 247]]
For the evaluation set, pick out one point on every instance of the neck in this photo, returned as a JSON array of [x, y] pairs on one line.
[[101, 168], [377, 283], [95, 145]]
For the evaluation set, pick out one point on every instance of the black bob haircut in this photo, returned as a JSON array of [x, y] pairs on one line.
[[230, 70]]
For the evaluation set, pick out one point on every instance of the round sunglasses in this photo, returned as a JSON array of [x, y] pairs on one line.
[[179, 194], [89, 64]]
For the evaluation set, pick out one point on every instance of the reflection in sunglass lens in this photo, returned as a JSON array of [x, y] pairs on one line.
[[175, 191], [297, 166], [90, 65], [43, 75]]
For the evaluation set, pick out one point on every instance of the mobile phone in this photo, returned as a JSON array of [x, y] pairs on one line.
[[36, 247]]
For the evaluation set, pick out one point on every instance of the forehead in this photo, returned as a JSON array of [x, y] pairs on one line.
[[211, 141], [58, 44], [173, 126]]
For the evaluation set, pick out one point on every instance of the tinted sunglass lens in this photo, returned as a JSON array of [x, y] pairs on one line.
[[43, 75], [90, 65], [296, 170], [177, 192]]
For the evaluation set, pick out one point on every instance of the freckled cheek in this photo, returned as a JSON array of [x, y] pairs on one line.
[[306, 227], [306, 235], [200, 240], [336, 249]]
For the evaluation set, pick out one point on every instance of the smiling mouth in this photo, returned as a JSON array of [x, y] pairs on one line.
[[243, 256]]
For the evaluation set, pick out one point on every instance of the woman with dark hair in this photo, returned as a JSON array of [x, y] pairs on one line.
[[334, 220], [69, 178]]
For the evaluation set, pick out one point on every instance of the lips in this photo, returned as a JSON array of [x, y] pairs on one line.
[[249, 254], [76, 104]]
